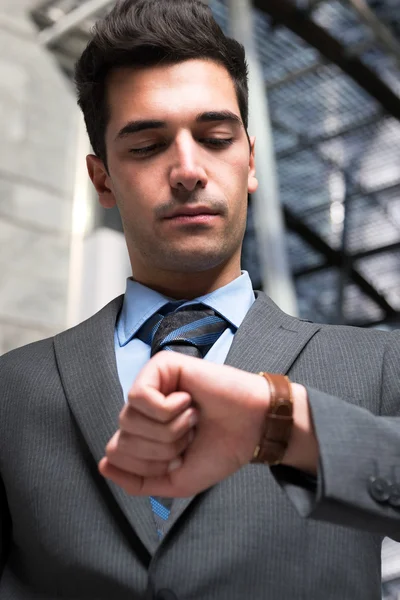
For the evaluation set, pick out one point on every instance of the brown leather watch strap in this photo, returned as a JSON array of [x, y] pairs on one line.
[[278, 421]]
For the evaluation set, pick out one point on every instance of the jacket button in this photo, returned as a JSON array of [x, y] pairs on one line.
[[379, 489], [394, 498], [166, 595]]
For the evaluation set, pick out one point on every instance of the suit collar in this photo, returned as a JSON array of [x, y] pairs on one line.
[[232, 301]]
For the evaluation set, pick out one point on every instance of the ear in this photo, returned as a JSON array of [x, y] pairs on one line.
[[252, 180], [101, 181]]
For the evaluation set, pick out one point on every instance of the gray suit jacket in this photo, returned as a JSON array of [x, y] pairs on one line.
[[260, 534]]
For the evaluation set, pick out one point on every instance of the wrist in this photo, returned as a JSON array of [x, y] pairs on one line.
[[302, 451]]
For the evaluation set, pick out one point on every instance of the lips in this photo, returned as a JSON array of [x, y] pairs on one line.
[[191, 212]]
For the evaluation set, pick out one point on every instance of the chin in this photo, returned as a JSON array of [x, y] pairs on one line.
[[193, 262]]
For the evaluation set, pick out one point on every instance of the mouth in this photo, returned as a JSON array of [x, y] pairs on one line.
[[191, 216], [194, 212]]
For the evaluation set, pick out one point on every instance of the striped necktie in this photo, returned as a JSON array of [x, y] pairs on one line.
[[191, 330]]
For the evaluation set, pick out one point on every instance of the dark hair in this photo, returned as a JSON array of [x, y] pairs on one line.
[[145, 33]]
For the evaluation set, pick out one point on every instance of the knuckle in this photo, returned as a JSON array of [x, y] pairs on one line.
[[122, 419], [162, 469], [127, 418], [172, 451], [170, 436], [153, 469], [111, 449], [165, 414], [126, 441], [161, 452]]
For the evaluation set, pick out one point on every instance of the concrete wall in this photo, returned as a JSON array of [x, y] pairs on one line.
[[38, 124]]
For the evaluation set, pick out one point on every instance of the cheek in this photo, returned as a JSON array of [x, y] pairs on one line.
[[237, 181], [238, 166], [133, 195], [147, 182]]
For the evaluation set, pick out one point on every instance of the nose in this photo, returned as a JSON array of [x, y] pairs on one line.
[[187, 171]]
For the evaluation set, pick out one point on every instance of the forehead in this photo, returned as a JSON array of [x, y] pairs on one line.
[[169, 92]]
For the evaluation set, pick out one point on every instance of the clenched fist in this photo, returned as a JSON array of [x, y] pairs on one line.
[[187, 425]]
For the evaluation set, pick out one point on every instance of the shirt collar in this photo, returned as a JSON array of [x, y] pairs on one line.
[[140, 302]]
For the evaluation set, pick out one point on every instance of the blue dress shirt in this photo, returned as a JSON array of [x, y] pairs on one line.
[[140, 302]]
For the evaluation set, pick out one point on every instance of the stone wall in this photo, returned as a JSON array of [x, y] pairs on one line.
[[38, 124]]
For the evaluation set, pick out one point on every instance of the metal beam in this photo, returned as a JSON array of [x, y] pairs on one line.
[[395, 247], [381, 31], [393, 321], [311, 270], [307, 143], [336, 259], [52, 34], [295, 19], [293, 75], [375, 251], [355, 193], [309, 6], [360, 47]]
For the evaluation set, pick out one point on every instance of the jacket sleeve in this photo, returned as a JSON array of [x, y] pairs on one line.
[[5, 528], [358, 482]]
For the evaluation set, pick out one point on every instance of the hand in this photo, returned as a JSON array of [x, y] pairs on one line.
[[170, 393]]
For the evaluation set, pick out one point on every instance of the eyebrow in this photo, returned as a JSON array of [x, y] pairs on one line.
[[214, 116], [206, 117]]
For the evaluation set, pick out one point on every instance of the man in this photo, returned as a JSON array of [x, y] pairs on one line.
[[129, 477]]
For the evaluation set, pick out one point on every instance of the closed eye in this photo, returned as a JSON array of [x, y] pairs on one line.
[[146, 149], [217, 143]]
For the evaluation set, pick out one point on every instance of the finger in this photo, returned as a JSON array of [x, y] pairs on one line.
[[135, 447], [161, 372], [132, 484], [135, 423], [143, 468], [137, 485], [153, 404]]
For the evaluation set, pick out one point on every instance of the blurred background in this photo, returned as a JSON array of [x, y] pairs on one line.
[[323, 235]]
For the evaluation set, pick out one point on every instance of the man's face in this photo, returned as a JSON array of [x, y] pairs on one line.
[[179, 166]]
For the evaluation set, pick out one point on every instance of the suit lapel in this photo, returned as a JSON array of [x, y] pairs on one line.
[[268, 340], [88, 370]]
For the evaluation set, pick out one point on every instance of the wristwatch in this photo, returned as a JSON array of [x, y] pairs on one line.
[[278, 421]]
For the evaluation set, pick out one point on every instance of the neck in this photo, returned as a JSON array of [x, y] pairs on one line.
[[187, 286]]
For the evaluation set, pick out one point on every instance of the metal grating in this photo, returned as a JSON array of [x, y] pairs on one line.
[[319, 297], [338, 152], [300, 253], [320, 103], [383, 271], [342, 23], [386, 66], [371, 154], [304, 181], [370, 226]]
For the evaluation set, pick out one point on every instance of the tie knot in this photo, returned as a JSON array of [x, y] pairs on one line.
[[190, 330]]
